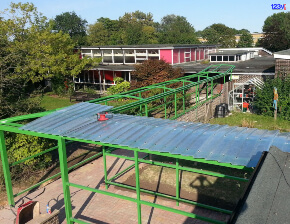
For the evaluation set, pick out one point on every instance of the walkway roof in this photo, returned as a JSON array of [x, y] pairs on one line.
[[222, 143]]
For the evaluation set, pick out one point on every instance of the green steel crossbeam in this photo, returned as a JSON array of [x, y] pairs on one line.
[[189, 158], [8, 125], [188, 214], [209, 173], [159, 96], [142, 89]]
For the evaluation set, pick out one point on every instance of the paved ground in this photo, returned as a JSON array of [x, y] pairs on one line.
[[98, 208]]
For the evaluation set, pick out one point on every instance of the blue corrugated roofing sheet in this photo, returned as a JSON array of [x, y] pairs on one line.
[[222, 143]]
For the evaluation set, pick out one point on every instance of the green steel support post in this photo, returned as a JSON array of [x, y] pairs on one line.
[[146, 110], [137, 186], [183, 92], [198, 89], [165, 114], [6, 169], [65, 180], [175, 105], [207, 90], [211, 91], [196, 95], [140, 95], [106, 103], [105, 167], [177, 182]]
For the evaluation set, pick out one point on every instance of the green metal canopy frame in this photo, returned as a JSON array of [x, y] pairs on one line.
[[209, 78]]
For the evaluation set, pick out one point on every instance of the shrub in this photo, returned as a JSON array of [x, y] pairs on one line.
[[264, 98], [120, 87]]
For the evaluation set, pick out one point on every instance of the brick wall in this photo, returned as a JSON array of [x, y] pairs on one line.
[[204, 112], [282, 67]]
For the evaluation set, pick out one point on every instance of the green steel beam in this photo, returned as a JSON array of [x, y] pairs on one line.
[[188, 214], [209, 173], [65, 179], [125, 170], [6, 170], [177, 181], [33, 156], [161, 95], [137, 187], [58, 174], [225, 211], [27, 116], [105, 166], [189, 158], [157, 85], [4, 127]]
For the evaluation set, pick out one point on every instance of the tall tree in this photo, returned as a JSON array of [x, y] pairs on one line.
[[138, 28], [175, 29], [277, 32], [104, 32], [31, 52], [246, 40], [220, 34], [74, 25]]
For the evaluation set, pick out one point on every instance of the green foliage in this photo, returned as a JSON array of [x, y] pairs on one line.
[[277, 32], [121, 86], [265, 96], [176, 30], [246, 40], [31, 52], [72, 24], [219, 34], [139, 28], [21, 146]]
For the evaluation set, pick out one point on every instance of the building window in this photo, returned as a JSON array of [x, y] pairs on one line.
[[231, 58], [219, 58], [226, 58], [213, 58]]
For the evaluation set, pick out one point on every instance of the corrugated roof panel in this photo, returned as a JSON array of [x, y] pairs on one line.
[[236, 145], [212, 145]]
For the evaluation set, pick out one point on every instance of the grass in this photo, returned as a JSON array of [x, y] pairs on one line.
[[50, 102], [253, 121]]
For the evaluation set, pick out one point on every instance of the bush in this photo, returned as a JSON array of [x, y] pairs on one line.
[[120, 87], [264, 98]]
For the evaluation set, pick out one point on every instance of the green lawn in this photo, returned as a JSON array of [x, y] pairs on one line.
[[253, 121], [50, 102]]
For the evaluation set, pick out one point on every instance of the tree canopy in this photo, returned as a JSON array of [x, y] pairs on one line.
[[220, 34], [30, 53], [277, 32], [175, 29], [246, 40], [153, 71], [72, 24], [139, 28]]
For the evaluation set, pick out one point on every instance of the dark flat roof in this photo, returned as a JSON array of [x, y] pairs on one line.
[[145, 46], [268, 201], [284, 52], [255, 65]]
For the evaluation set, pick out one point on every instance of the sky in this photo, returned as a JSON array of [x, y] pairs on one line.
[[247, 14]]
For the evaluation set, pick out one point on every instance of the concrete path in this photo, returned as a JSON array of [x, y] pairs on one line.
[[98, 208]]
